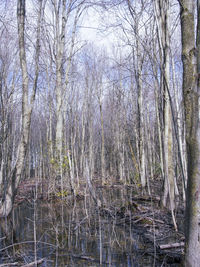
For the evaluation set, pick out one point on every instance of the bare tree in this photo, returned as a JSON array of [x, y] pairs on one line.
[[10, 190], [162, 15]]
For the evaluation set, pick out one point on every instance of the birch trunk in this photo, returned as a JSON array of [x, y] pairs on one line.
[[60, 42], [61, 74], [7, 203], [102, 144], [141, 128], [180, 138], [138, 74], [138, 57], [162, 17]]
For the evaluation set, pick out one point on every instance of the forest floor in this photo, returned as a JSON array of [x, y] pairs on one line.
[[141, 211]]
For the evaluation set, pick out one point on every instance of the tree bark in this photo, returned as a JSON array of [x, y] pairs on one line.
[[191, 107]]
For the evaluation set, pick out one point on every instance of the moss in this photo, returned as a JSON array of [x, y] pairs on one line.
[[62, 193]]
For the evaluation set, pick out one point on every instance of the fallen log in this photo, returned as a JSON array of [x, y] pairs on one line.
[[172, 245]]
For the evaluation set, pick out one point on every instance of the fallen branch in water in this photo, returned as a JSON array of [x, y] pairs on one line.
[[173, 245], [34, 263], [82, 257], [26, 242], [8, 264]]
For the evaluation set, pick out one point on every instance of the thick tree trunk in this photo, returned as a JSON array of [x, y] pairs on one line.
[[191, 105]]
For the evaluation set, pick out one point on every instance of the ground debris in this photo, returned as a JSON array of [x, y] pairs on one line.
[[153, 224]]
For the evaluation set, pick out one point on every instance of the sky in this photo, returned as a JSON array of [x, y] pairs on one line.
[[93, 30]]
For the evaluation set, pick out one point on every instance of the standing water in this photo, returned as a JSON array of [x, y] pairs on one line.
[[78, 234]]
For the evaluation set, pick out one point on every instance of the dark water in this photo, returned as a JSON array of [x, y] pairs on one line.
[[75, 235]]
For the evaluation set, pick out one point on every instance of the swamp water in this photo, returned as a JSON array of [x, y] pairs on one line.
[[75, 235]]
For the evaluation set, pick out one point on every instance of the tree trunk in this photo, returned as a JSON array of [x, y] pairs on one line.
[[7, 203], [162, 16], [102, 145], [191, 106], [180, 138]]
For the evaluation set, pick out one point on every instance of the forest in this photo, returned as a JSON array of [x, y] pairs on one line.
[[99, 133]]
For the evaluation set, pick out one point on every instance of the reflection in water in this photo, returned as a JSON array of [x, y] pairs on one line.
[[76, 235]]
